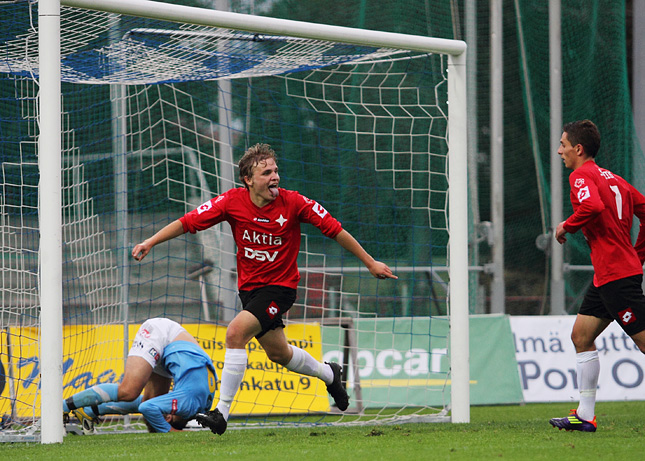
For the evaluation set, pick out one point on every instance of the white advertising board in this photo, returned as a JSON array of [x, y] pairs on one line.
[[547, 362]]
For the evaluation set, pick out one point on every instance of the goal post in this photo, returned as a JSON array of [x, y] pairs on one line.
[[366, 95], [458, 259], [50, 212]]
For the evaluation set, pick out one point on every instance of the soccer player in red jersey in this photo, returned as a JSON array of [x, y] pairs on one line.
[[265, 220], [604, 205]]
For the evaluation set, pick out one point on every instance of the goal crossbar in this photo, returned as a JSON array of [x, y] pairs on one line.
[[249, 23]]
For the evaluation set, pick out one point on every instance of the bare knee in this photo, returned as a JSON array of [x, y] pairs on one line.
[[582, 342], [276, 347], [242, 330], [235, 338], [281, 356]]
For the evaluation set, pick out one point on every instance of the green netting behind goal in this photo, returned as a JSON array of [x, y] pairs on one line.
[[595, 85]]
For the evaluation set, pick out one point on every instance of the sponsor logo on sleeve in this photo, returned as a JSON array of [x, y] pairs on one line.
[[153, 353], [204, 207], [579, 182], [583, 193], [319, 210]]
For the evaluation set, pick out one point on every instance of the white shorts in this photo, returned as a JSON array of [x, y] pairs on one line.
[[151, 340]]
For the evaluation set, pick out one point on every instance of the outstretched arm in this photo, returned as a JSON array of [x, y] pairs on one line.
[[377, 269], [172, 230]]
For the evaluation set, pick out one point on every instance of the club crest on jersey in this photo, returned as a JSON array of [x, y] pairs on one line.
[[583, 193], [204, 207], [273, 310], [627, 316], [579, 182], [281, 220]]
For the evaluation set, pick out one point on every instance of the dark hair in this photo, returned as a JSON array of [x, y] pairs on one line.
[[178, 424], [585, 133], [252, 157]]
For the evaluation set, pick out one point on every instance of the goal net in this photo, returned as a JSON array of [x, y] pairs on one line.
[[155, 115]]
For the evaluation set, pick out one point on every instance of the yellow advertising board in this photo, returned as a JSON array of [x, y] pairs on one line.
[[94, 354]]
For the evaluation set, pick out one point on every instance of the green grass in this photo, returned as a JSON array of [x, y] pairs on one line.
[[500, 432]]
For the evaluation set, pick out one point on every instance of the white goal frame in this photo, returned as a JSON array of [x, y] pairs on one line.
[[50, 205]]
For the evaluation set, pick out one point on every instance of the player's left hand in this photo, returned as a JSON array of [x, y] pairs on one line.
[[381, 271], [560, 233], [140, 250]]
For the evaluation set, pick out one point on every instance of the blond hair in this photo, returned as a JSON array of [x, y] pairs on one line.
[[252, 158]]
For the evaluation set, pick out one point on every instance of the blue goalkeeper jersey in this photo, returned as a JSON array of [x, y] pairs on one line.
[[194, 380]]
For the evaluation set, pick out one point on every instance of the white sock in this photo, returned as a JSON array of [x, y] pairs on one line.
[[232, 375], [303, 362], [588, 369]]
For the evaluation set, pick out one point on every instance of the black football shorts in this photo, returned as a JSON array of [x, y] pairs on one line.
[[268, 304], [621, 300]]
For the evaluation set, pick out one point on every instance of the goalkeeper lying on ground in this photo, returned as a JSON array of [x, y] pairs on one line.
[[88, 417], [162, 352]]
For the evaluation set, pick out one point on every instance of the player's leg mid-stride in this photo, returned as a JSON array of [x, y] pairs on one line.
[[215, 421], [574, 423]]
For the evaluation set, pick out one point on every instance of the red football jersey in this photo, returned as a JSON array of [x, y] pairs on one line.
[[267, 238], [604, 205]]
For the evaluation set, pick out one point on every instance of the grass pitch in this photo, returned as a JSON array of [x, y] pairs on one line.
[[499, 432]]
